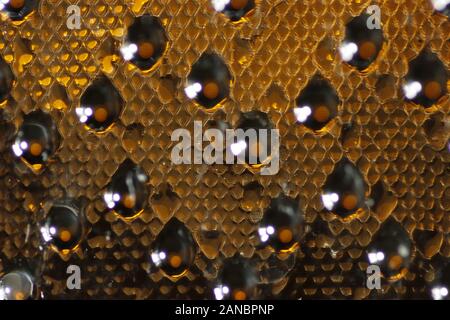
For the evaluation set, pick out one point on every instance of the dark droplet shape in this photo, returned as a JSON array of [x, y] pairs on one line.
[[127, 193], [257, 151], [280, 226], [16, 285], [236, 10], [237, 280], [173, 250], [100, 105], [317, 104], [19, 9], [148, 39], [390, 249], [36, 140], [6, 80], [209, 81], [63, 226], [344, 190], [428, 71], [368, 42]]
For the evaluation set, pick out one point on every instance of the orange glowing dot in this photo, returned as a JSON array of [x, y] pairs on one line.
[[175, 261], [129, 201], [100, 114], [240, 295], [367, 50], [238, 4], [36, 149], [16, 4], [395, 262], [19, 295], [285, 235], [65, 235], [146, 50], [321, 114], [433, 90], [350, 202], [211, 90]]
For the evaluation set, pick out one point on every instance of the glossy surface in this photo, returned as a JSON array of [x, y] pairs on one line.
[[344, 191], [209, 81], [127, 194], [100, 105], [173, 250]]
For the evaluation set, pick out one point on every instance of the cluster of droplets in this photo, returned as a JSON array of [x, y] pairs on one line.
[[208, 85]]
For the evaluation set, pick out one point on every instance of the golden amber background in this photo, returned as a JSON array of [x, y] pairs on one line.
[[272, 56]]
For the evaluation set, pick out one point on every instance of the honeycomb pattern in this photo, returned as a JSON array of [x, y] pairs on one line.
[[398, 147]]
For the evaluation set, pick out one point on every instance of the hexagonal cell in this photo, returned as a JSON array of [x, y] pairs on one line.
[[36, 140], [18, 10], [235, 10], [6, 80], [173, 250], [145, 43], [344, 190], [63, 226], [361, 45], [426, 81], [100, 105], [317, 104], [209, 81], [127, 193], [254, 139]]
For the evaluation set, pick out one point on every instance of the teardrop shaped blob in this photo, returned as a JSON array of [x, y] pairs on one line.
[[6, 80], [209, 81], [390, 249], [361, 45], [344, 191], [317, 104], [16, 285], [36, 140], [127, 193], [63, 227], [145, 43], [100, 105], [254, 138], [280, 226], [426, 81], [18, 10], [439, 289], [173, 250], [235, 10], [236, 281]]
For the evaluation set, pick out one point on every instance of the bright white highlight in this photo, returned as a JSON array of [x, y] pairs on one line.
[[348, 50], [158, 257], [219, 5], [193, 90], [83, 113], [128, 51], [302, 113], [329, 200], [220, 292], [440, 5], [111, 199], [375, 257], [439, 293], [412, 89], [238, 147], [264, 233]]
